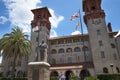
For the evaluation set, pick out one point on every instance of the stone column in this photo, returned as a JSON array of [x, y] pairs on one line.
[[29, 73], [38, 71]]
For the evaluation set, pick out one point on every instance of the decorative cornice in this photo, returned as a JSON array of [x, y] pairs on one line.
[[93, 15]]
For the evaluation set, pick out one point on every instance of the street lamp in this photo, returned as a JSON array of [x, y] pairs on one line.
[[111, 65], [37, 30]]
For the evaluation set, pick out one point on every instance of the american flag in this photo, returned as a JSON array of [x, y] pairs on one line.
[[74, 16], [77, 24]]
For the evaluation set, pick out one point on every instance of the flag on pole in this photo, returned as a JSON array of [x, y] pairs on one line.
[[77, 24], [75, 15]]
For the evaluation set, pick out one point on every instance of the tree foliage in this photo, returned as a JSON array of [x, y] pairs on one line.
[[15, 44]]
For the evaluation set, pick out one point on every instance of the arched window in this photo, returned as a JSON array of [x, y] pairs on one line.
[[105, 70], [77, 49], [118, 70], [53, 74], [112, 45], [84, 73], [85, 48], [53, 51], [19, 74], [69, 50], [68, 75], [61, 50]]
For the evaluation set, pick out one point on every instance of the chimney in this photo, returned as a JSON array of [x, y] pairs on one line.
[[109, 27]]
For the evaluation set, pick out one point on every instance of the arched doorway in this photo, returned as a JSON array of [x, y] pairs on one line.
[[19, 74], [53, 74], [117, 69], [105, 70], [84, 73], [68, 74]]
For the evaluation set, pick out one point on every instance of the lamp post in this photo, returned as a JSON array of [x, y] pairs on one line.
[[111, 65], [37, 30]]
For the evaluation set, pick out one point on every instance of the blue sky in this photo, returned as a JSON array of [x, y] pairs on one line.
[[17, 13]]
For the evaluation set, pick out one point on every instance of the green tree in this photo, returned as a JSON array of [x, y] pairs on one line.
[[14, 45]]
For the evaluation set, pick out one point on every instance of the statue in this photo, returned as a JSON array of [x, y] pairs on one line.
[[43, 52]]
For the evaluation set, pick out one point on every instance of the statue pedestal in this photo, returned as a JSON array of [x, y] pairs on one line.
[[38, 71]]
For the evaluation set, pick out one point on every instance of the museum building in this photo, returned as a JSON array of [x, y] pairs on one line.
[[81, 55]]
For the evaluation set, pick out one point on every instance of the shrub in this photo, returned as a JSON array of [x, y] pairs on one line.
[[108, 76], [54, 78], [91, 78], [4, 78], [1, 75], [74, 78]]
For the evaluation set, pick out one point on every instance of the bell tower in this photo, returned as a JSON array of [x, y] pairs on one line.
[[41, 15], [92, 9], [40, 29], [101, 50]]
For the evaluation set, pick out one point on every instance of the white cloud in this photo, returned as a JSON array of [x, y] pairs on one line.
[[53, 33], [3, 19], [75, 32], [20, 14], [55, 19]]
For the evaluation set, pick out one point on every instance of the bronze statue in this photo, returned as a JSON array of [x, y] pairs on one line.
[[43, 52]]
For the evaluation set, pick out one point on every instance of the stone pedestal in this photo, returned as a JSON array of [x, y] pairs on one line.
[[38, 71]]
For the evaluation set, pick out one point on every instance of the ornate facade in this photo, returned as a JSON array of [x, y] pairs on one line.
[[79, 55]]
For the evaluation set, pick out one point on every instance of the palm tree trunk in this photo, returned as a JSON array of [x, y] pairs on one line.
[[13, 67]]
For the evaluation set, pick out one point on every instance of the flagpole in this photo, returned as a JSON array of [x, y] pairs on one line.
[[82, 36]]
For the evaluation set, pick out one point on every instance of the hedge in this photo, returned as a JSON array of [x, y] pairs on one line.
[[54, 78], [4, 78], [74, 78], [108, 76], [91, 78]]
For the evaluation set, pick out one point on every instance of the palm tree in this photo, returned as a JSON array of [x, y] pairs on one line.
[[14, 45]]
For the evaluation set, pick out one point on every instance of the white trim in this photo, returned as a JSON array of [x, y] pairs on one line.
[[38, 63], [67, 67]]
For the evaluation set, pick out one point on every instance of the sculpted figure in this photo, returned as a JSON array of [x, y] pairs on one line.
[[43, 51]]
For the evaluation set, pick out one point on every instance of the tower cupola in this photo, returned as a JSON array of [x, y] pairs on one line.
[[92, 9], [42, 15]]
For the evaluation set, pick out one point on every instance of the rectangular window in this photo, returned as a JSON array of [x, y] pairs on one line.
[[37, 39], [112, 45], [102, 54], [76, 40], [69, 41], [115, 56], [100, 43], [61, 42], [98, 32], [69, 59], [53, 42], [86, 39], [82, 39]]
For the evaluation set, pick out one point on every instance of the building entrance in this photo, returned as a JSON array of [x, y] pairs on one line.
[[53, 75], [68, 74], [84, 73]]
